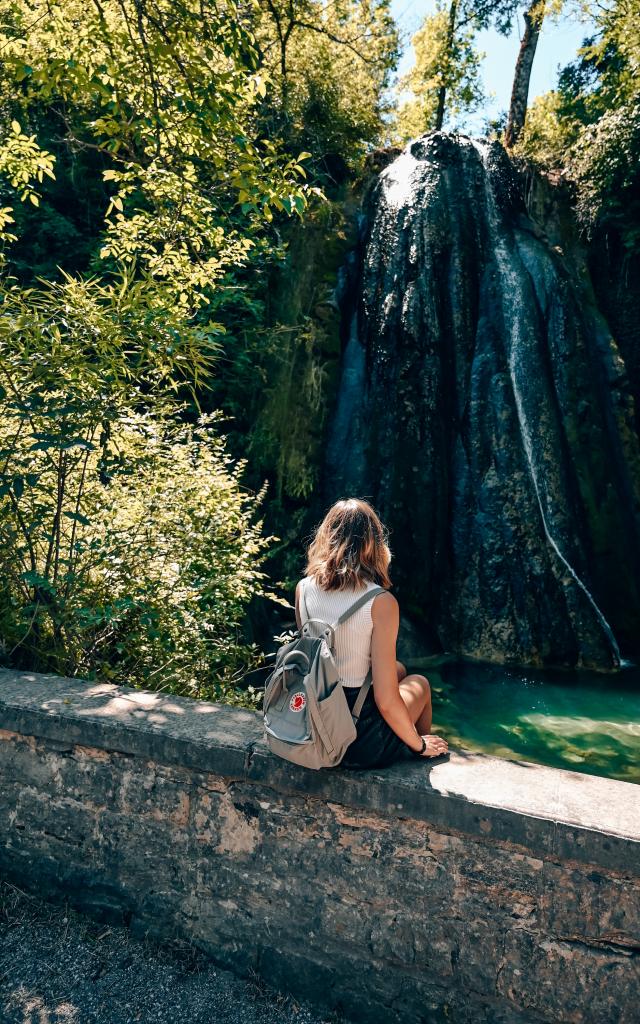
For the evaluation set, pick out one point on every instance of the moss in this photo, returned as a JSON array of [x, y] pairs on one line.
[[299, 365]]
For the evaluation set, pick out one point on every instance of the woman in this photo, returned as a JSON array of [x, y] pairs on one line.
[[348, 555]]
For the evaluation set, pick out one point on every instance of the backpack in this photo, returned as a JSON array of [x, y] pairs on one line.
[[306, 716]]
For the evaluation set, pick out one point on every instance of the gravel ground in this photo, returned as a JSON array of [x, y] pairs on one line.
[[59, 967]]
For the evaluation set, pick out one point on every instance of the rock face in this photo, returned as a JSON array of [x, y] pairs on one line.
[[485, 410]]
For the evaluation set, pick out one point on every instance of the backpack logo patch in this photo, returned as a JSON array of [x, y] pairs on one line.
[[297, 702]]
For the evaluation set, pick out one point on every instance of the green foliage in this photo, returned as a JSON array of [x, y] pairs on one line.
[[21, 161], [281, 374], [445, 59], [155, 156], [289, 428], [445, 83], [329, 69], [128, 547], [548, 132], [605, 164], [590, 126], [167, 91]]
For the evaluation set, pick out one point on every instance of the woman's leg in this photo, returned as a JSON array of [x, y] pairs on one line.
[[416, 693]]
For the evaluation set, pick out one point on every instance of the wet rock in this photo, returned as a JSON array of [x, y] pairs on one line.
[[484, 409]]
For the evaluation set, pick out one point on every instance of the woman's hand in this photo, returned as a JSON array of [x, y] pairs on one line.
[[436, 746]]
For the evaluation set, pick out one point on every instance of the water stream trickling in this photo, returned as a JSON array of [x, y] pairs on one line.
[[483, 410], [346, 434], [514, 312]]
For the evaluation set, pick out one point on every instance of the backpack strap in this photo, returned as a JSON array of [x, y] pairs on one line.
[[360, 699], [364, 689], [358, 604]]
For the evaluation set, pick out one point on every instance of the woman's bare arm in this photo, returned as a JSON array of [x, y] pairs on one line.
[[385, 613], [297, 603]]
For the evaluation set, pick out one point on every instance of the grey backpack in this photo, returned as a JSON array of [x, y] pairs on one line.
[[306, 716]]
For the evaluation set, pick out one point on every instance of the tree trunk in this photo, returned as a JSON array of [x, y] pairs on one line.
[[442, 91], [520, 92]]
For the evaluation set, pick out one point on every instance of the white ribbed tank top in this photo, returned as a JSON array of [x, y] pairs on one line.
[[353, 637]]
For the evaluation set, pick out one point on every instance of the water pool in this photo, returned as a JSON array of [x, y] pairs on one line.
[[584, 721]]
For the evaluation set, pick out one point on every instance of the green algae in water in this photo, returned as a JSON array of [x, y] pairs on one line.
[[583, 721]]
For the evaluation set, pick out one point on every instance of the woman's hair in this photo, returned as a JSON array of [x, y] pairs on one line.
[[349, 548]]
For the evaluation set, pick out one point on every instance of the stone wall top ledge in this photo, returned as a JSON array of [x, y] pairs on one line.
[[550, 812]]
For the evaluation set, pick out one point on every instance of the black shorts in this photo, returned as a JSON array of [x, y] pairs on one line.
[[376, 744]]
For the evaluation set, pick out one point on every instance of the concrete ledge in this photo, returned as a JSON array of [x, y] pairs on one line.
[[534, 870], [546, 810]]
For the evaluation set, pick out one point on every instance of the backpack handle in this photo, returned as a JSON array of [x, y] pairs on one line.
[[329, 629], [290, 655]]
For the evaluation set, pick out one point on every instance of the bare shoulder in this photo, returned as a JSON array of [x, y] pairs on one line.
[[384, 608], [296, 604]]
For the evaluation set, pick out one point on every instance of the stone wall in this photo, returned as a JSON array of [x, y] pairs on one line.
[[473, 890]]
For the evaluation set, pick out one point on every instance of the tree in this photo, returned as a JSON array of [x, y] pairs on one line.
[[183, 130], [533, 18], [129, 549], [329, 68], [445, 79], [167, 93], [590, 125]]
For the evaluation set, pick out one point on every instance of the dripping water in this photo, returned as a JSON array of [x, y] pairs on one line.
[[345, 454], [511, 301]]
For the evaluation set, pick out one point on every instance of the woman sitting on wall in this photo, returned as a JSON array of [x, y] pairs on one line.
[[349, 555]]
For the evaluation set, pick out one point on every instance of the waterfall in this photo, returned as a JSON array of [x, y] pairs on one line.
[[346, 434], [482, 409]]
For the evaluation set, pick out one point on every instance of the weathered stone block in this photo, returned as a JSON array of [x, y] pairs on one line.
[[21, 758], [570, 981], [590, 905], [61, 823]]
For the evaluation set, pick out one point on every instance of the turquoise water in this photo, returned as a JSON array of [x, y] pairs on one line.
[[584, 721]]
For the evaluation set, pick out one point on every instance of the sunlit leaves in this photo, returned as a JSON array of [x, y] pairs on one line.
[[22, 163], [590, 126], [446, 59], [169, 91], [548, 131], [128, 547]]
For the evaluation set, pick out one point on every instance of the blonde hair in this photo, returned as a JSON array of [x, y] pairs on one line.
[[349, 548]]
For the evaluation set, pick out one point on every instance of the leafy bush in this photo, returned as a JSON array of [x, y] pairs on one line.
[[128, 547], [548, 132], [605, 164], [590, 125]]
